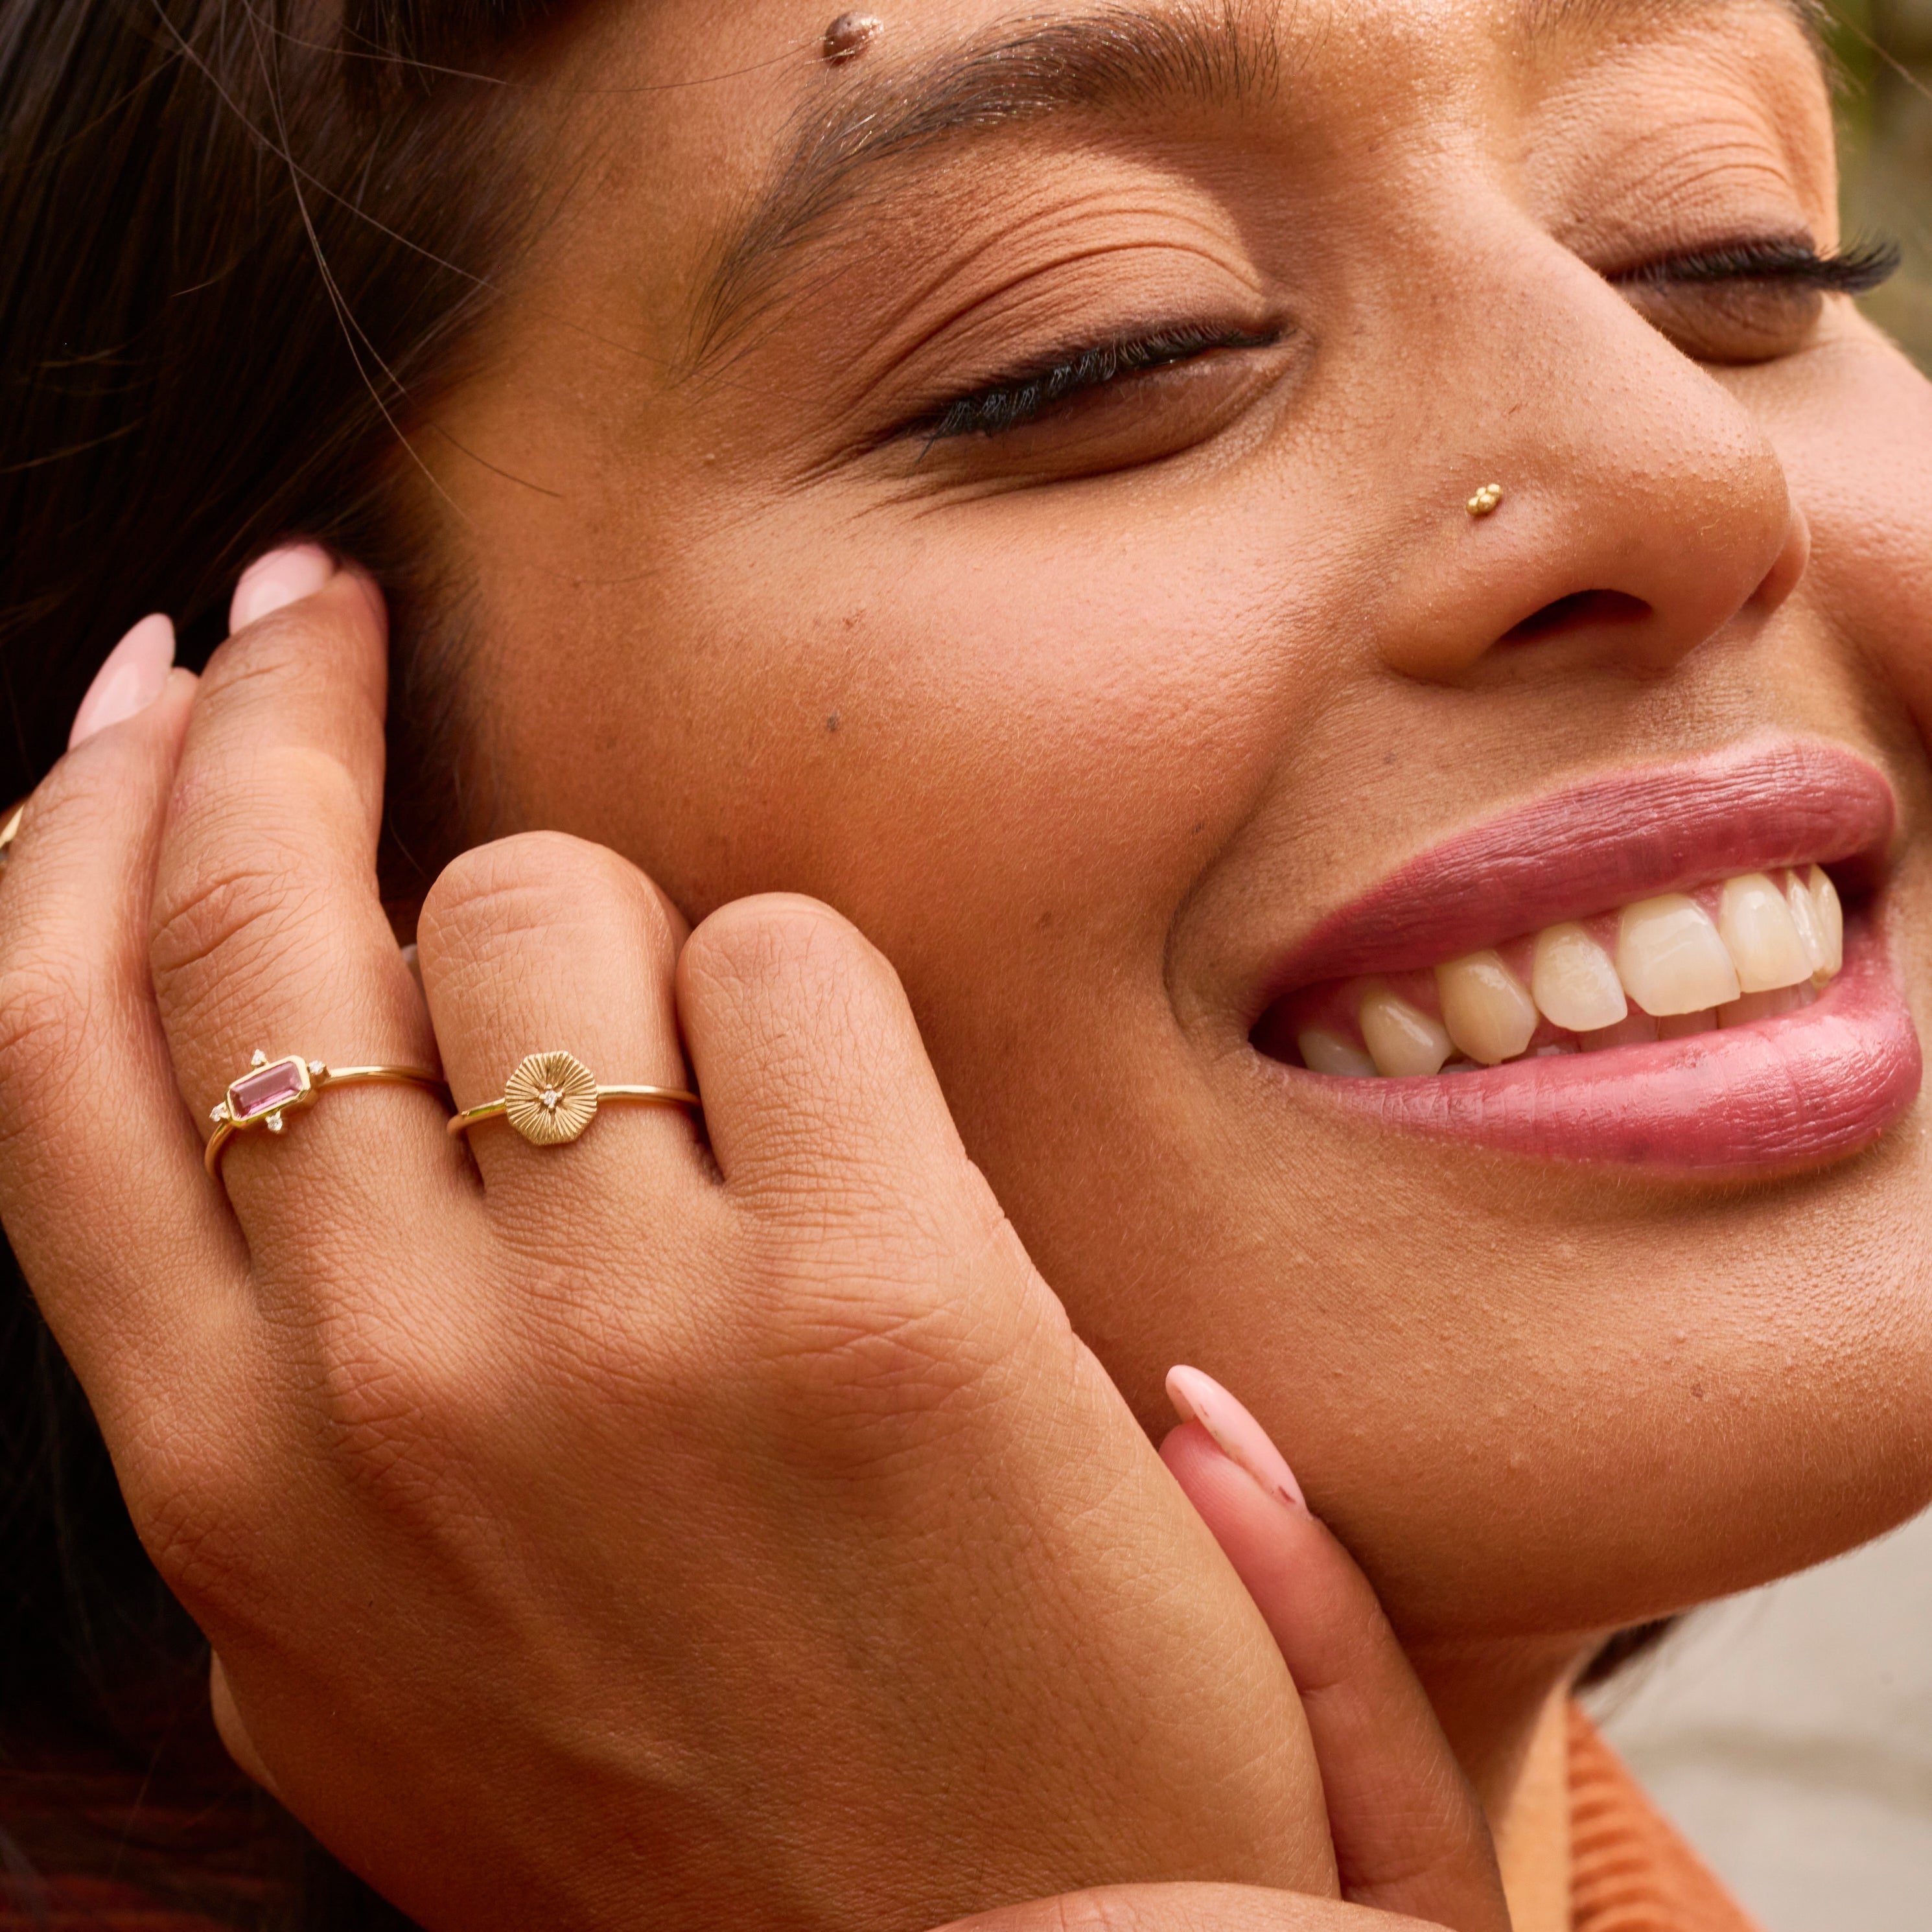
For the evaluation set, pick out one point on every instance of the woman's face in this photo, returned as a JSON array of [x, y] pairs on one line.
[[1138, 719]]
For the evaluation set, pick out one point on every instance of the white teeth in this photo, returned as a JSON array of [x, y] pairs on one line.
[[1575, 980], [1761, 936], [1675, 970], [1325, 1052], [1670, 959], [1489, 1014], [1830, 918], [1803, 910], [1403, 1041]]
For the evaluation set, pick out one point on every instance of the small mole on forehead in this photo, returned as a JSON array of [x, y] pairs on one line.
[[850, 35]]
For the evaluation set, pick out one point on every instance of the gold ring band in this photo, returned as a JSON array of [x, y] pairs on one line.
[[552, 1097], [272, 1090]]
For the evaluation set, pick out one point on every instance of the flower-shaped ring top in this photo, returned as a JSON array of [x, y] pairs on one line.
[[551, 1098]]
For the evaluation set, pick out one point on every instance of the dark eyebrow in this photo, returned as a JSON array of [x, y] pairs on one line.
[[1113, 60]]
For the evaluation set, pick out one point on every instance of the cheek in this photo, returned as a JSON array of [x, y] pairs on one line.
[[964, 738], [1852, 421]]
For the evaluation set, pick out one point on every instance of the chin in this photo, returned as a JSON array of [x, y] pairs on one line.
[[1773, 1423]]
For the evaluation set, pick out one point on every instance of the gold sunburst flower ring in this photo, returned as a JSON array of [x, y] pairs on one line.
[[551, 1099]]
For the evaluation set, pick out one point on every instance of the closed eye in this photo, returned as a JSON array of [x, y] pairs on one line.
[[1023, 395], [1750, 301], [1796, 264]]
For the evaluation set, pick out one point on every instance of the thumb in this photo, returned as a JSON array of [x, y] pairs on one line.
[[1410, 1836]]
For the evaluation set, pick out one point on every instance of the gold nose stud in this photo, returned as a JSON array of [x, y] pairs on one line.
[[1485, 499]]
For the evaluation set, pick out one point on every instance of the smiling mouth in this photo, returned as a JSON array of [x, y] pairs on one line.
[[1653, 969], [1749, 949]]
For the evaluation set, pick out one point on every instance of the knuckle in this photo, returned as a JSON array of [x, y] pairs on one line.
[[189, 1495], [495, 899], [783, 944], [231, 918], [893, 1329], [402, 1412], [786, 985], [298, 652]]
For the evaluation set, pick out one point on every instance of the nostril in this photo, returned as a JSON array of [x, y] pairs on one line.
[[1579, 609]]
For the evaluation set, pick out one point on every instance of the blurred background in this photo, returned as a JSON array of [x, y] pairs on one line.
[[1884, 48], [1789, 1733]]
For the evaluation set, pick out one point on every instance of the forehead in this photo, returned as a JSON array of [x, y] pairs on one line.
[[733, 140], [778, 42], [984, 62], [937, 75]]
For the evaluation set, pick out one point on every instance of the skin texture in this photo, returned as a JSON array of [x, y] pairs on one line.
[[714, 1528], [1081, 753], [1081, 728]]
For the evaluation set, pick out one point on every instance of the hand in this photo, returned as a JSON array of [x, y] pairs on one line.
[[1410, 1844], [645, 1530]]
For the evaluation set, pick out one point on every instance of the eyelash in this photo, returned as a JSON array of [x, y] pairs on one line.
[[1794, 264], [1019, 398]]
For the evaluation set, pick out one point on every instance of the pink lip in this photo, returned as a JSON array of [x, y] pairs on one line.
[[1782, 1094], [1598, 846]]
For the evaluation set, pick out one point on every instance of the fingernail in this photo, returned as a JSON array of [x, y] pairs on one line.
[[282, 576], [130, 681], [1239, 1437]]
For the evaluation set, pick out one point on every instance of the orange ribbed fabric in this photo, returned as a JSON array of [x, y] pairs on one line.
[[1630, 1871]]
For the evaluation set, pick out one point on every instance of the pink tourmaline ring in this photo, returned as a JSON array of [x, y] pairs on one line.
[[272, 1090]]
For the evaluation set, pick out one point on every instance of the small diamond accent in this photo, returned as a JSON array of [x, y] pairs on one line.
[[549, 1099]]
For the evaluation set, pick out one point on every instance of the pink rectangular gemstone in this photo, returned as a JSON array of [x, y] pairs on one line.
[[267, 1088]]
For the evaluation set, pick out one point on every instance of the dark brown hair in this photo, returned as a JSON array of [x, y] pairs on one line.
[[240, 246]]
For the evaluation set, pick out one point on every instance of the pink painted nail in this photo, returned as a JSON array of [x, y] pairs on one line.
[[1239, 1437], [282, 576], [130, 681]]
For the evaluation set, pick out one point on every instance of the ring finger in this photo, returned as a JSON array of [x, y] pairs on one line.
[[542, 946]]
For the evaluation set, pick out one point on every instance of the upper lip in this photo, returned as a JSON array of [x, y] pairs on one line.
[[1601, 844]]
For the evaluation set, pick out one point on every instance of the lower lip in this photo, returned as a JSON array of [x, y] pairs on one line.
[[1795, 1092]]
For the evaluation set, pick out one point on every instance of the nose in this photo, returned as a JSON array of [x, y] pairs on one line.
[[1642, 511]]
